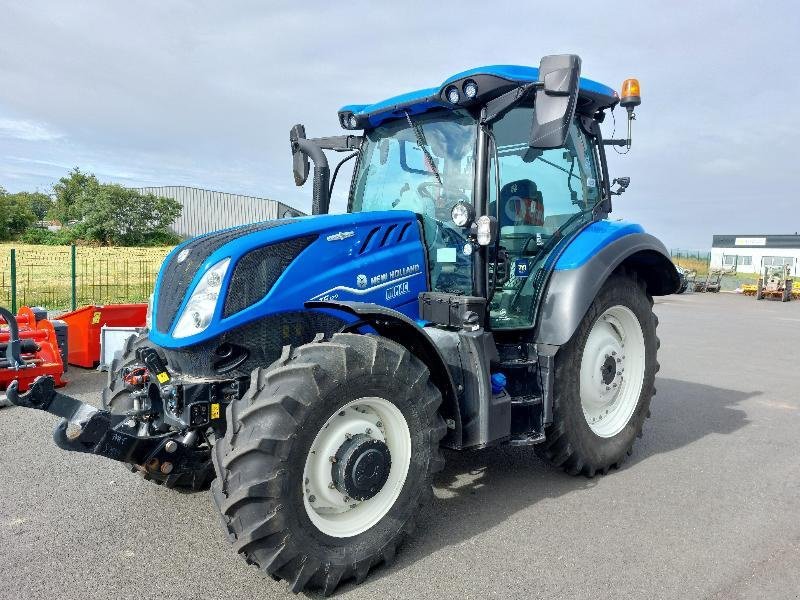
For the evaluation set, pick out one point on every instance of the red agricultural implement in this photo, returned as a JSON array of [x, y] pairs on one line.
[[85, 324], [30, 346]]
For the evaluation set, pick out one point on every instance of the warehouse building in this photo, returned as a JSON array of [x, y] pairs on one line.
[[752, 253], [207, 210]]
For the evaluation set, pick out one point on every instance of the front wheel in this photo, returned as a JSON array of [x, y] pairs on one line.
[[604, 381], [328, 458]]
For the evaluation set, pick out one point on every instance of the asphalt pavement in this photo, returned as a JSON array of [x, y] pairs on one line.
[[708, 505]]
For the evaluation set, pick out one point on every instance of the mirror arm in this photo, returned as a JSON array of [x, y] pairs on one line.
[[322, 174], [499, 106], [339, 143]]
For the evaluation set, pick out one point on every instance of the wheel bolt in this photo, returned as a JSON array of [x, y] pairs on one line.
[[347, 436], [171, 446], [331, 485], [332, 459], [312, 498], [613, 353], [347, 498], [619, 360], [368, 431], [341, 414], [379, 424], [307, 480]]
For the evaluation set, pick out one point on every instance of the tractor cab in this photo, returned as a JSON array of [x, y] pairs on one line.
[[492, 148]]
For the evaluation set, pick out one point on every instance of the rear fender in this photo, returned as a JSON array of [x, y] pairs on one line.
[[396, 326], [577, 280]]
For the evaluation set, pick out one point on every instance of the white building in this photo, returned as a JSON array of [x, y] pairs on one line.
[[751, 253]]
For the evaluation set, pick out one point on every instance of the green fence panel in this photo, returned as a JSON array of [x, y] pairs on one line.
[[65, 277]]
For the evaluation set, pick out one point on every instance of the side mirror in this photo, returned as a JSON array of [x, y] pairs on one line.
[[300, 164], [556, 98]]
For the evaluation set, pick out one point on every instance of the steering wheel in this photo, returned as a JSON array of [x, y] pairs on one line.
[[424, 190]]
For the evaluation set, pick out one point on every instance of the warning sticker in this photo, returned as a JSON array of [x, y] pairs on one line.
[[96, 318], [215, 410], [163, 377]]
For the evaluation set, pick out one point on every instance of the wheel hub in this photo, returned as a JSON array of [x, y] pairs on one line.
[[609, 370], [362, 467]]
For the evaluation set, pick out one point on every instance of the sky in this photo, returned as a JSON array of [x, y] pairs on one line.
[[204, 93]]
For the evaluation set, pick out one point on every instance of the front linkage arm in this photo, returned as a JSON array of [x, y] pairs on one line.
[[84, 428]]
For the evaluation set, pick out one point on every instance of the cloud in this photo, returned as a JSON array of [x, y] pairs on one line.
[[204, 93], [29, 131]]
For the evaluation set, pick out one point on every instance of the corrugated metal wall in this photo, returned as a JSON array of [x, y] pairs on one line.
[[206, 210]]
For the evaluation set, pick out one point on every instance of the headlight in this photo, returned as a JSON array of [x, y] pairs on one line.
[[462, 214], [197, 314], [486, 230]]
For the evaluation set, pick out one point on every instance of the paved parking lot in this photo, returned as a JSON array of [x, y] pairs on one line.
[[708, 506]]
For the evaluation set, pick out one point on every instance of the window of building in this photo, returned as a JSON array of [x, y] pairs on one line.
[[729, 260], [745, 261], [778, 261]]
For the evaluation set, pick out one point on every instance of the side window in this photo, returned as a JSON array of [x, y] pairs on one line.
[[540, 189]]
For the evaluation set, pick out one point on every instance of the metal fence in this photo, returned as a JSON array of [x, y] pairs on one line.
[[701, 255], [65, 277]]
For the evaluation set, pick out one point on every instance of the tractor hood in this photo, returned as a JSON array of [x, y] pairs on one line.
[[224, 280]]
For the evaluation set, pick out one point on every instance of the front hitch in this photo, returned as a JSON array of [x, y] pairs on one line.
[[87, 429]]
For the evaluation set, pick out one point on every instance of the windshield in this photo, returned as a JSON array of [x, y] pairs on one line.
[[424, 163]]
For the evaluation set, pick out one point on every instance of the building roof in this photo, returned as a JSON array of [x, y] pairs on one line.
[[756, 241], [592, 95]]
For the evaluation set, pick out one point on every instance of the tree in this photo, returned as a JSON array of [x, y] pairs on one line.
[[122, 216], [39, 203], [74, 195], [15, 214]]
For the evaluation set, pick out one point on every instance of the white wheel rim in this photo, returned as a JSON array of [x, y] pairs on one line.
[[612, 371], [329, 510]]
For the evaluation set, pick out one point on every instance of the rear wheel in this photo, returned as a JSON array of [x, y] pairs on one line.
[[117, 399], [604, 381], [327, 460]]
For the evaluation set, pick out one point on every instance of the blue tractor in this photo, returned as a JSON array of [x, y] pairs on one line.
[[474, 294]]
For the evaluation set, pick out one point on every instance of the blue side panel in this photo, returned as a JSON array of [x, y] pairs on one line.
[[591, 240], [368, 257]]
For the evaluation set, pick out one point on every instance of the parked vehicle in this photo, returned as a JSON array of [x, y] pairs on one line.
[[474, 294]]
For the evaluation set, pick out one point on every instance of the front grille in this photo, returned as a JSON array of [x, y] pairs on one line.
[[263, 339], [258, 270], [176, 276]]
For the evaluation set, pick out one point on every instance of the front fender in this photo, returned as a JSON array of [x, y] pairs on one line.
[[579, 275]]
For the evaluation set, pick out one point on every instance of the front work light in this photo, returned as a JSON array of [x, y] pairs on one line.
[[470, 89], [462, 214], [196, 316], [486, 230], [452, 94], [630, 95], [353, 122]]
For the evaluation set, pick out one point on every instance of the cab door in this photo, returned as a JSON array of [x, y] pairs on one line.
[[538, 197]]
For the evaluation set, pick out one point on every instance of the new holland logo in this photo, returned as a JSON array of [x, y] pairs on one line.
[[361, 281], [183, 255], [342, 235]]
